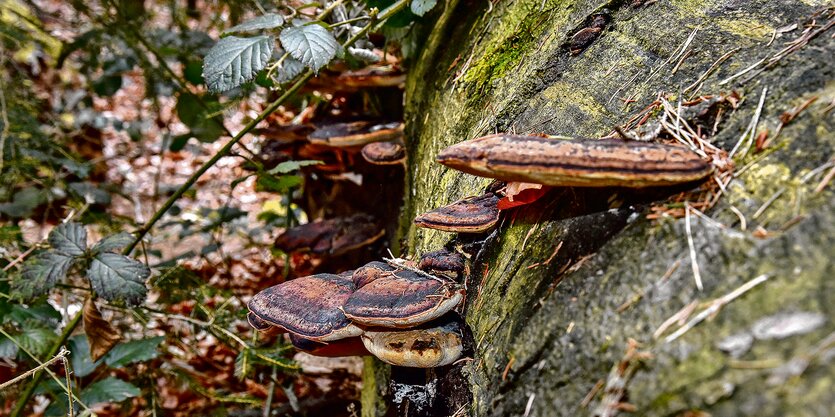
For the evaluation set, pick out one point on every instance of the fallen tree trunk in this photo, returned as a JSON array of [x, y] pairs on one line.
[[566, 300]]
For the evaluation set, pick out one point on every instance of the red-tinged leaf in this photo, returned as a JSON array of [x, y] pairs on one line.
[[520, 194]]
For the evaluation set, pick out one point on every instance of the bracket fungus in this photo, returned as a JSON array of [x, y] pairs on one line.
[[576, 162], [384, 153], [371, 272], [332, 236], [257, 323], [402, 299], [310, 307], [444, 263], [351, 346], [427, 346], [342, 135], [470, 215]]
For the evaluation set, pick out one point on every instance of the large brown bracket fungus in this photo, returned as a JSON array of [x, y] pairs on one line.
[[356, 133], [310, 307], [470, 215], [434, 344], [577, 162], [332, 236], [402, 299]]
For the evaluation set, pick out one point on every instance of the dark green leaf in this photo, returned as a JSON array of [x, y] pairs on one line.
[[133, 351], [420, 7], [278, 184], [288, 70], [7, 348], [69, 238], [107, 85], [313, 45], [82, 363], [108, 390], [287, 167], [36, 339], [267, 21], [113, 242], [117, 277], [193, 72], [179, 142], [234, 61], [41, 312], [23, 202], [194, 113], [40, 274]]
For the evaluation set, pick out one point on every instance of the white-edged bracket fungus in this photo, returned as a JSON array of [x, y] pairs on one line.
[[402, 299], [470, 215], [310, 307], [576, 162], [340, 135]]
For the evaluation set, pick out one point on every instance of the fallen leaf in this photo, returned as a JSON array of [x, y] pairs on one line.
[[101, 335]]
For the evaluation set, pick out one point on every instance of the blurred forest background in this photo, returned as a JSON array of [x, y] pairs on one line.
[[112, 243]]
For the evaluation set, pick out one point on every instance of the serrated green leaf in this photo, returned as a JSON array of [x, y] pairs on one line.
[[234, 61], [69, 238], [287, 167], [7, 348], [420, 7], [41, 312], [280, 184], [41, 273], [108, 390], [23, 202], [267, 21], [133, 351], [113, 242], [313, 45], [36, 339], [289, 69], [82, 363], [117, 277]]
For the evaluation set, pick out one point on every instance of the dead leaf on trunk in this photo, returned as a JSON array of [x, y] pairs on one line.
[[101, 335]]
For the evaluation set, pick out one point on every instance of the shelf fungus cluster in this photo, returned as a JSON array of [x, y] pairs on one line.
[[530, 164], [400, 314]]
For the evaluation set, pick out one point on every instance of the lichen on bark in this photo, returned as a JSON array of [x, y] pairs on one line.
[[546, 333]]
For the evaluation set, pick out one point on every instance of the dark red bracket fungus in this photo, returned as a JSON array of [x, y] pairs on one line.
[[470, 215], [427, 346], [257, 323], [371, 272], [444, 263], [351, 346], [384, 153], [310, 307], [342, 135], [402, 299], [579, 162], [332, 236]]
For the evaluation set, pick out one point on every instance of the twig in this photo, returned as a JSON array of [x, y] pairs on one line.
[[5, 132], [60, 356], [715, 306], [768, 202], [751, 131], [710, 70], [825, 181], [694, 263], [529, 405]]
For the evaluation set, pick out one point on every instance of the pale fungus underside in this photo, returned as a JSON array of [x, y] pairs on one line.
[[470, 215], [578, 162], [356, 133], [432, 345]]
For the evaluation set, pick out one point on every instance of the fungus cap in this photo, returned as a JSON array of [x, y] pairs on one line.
[[577, 162], [443, 262], [470, 215], [332, 236], [371, 272], [402, 299], [310, 307], [257, 323], [424, 347], [384, 153], [341, 135]]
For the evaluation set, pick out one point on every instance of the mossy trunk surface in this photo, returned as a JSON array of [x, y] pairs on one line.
[[551, 328]]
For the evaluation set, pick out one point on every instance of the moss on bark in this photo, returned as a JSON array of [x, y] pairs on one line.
[[563, 325]]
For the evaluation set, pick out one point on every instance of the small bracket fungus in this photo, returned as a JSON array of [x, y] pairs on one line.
[[333, 236], [584, 37], [384, 153], [310, 307], [257, 323], [580, 162], [342, 135], [371, 272], [402, 299], [428, 346], [444, 263], [470, 215]]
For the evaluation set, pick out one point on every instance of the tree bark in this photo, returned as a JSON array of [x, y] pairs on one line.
[[567, 283]]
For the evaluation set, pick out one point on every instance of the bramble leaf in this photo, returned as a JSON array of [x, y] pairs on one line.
[[267, 21], [420, 7], [117, 277], [133, 351], [312, 44], [234, 61], [108, 390], [113, 242], [69, 238], [41, 273]]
